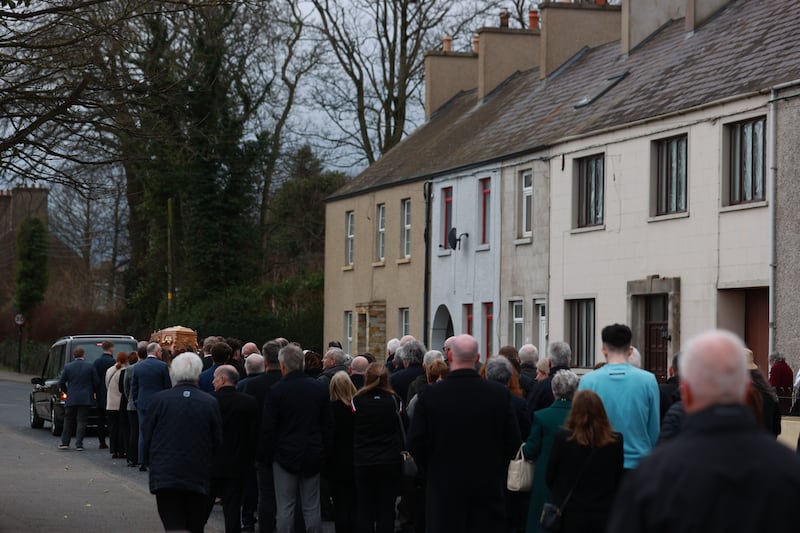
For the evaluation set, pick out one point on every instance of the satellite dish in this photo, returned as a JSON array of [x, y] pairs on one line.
[[452, 240]]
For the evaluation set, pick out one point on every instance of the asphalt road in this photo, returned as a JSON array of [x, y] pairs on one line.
[[46, 489]]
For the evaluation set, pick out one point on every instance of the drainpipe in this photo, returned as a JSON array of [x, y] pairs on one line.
[[773, 178], [426, 289]]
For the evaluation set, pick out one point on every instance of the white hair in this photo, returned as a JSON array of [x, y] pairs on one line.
[[635, 358], [714, 366], [186, 368], [254, 364], [529, 354], [392, 345], [431, 356]]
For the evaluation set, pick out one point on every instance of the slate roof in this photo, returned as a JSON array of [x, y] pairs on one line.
[[749, 45]]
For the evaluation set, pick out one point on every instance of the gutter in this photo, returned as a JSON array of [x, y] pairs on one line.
[[426, 288]]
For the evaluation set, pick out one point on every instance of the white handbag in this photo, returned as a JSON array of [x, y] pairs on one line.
[[520, 472]]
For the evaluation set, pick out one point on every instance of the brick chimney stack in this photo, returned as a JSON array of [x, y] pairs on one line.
[[504, 17], [533, 19], [447, 44]]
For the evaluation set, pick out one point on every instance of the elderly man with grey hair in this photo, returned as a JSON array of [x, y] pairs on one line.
[[720, 454], [334, 360], [412, 352], [295, 436], [541, 395], [391, 350], [181, 436], [254, 366], [528, 357], [545, 424]]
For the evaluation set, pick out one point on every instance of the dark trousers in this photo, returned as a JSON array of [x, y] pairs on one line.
[[266, 499], [377, 487], [181, 510], [71, 413], [344, 504], [133, 437], [230, 490], [102, 423], [249, 497], [117, 432]]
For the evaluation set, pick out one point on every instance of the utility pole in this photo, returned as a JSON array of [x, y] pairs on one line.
[[169, 257]]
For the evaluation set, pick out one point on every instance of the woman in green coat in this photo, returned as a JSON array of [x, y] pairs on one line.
[[546, 423]]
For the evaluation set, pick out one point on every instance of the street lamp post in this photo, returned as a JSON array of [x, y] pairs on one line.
[[19, 320]]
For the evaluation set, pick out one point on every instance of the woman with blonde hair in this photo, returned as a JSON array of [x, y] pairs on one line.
[[585, 466], [378, 443], [339, 469]]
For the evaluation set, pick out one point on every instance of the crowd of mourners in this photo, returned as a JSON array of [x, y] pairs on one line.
[[421, 440]]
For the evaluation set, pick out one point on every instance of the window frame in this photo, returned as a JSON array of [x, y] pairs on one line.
[[579, 332], [525, 204], [447, 215], [348, 331], [671, 175], [404, 321], [485, 190], [517, 323], [405, 240], [380, 232], [350, 237], [488, 328], [590, 193], [735, 134], [468, 319]]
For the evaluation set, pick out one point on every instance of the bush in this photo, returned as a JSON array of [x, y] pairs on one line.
[[33, 356]]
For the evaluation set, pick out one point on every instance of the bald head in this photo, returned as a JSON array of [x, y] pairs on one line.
[[713, 370], [359, 365], [225, 376], [462, 351], [249, 349], [405, 339]]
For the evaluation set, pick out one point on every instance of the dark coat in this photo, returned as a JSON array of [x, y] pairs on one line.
[[297, 427], [207, 378], [151, 376], [239, 433], [259, 386], [402, 379], [595, 476], [669, 393], [520, 407], [415, 386], [182, 435], [358, 380], [339, 466], [541, 394], [463, 434], [326, 375], [79, 380], [377, 437], [100, 365], [720, 474]]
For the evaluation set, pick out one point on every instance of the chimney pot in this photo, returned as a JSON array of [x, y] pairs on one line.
[[533, 19], [447, 43], [475, 41], [504, 16]]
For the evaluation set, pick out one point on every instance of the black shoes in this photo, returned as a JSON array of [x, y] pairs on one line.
[[103, 445]]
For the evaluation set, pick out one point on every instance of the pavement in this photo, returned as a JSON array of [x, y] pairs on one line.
[[6, 375]]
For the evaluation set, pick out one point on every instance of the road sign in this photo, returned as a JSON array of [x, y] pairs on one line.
[[19, 319]]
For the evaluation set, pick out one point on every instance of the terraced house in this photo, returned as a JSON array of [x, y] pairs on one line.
[[632, 163]]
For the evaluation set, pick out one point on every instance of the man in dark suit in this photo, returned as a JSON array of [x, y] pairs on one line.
[[151, 376], [101, 364], [541, 395], [358, 367], [258, 389], [237, 455], [296, 434], [463, 435], [411, 353], [182, 435], [220, 353], [79, 381]]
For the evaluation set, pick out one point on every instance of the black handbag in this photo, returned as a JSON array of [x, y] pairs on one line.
[[551, 516], [409, 465]]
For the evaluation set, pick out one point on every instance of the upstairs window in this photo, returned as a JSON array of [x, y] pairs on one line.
[[447, 215], [746, 161], [591, 182], [405, 211], [486, 209], [518, 325], [350, 237], [525, 203], [671, 175], [380, 229]]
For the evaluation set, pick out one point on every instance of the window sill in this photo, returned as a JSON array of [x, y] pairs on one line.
[[740, 207], [483, 248], [347, 268], [379, 264], [588, 229], [444, 252], [672, 216], [523, 241], [404, 261]]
